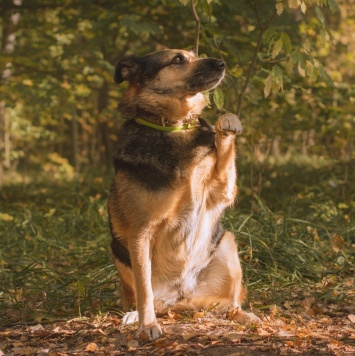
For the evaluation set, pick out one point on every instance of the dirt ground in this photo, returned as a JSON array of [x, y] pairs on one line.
[[282, 332]]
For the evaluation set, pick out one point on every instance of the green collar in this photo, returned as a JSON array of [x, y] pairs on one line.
[[165, 128]]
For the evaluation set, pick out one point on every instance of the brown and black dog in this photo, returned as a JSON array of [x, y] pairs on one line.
[[175, 175]]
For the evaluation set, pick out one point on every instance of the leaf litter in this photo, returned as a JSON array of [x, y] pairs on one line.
[[294, 328]]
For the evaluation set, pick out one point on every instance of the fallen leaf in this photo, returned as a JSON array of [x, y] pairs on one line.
[[189, 336], [352, 318], [173, 316], [199, 315], [307, 302], [36, 328], [234, 337], [14, 333], [92, 347], [263, 332], [334, 343], [144, 336], [337, 242], [130, 337], [132, 344], [317, 310]]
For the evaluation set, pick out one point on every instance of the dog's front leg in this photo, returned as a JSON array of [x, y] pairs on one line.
[[142, 269], [226, 126]]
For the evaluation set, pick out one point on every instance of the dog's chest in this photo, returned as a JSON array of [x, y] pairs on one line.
[[183, 243]]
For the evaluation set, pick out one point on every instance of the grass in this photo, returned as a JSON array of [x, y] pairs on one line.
[[54, 240]]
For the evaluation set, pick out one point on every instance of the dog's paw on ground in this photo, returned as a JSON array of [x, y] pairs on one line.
[[151, 332], [130, 318]]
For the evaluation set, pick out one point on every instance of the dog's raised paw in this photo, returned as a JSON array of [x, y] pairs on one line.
[[151, 332], [229, 122], [130, 318]]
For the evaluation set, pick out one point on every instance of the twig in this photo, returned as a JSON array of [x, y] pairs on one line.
[[197, 26], [220, 52], [275, 60], [253, 62]]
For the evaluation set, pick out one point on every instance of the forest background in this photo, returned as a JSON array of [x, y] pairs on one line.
[[290, 78]]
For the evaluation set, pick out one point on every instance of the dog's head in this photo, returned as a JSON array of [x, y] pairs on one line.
[[167, 85], [171, 71]]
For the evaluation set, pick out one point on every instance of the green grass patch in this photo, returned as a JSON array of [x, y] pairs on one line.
[[54, 240]]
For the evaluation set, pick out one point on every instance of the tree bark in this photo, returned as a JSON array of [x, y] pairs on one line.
[[105, 146], [75, 143], [2, 111]]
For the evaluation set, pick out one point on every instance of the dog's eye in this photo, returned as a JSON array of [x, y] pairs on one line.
[[179, 59]]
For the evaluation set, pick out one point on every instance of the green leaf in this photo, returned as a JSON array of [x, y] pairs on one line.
[[320, 15], [295, 56], [277, 48], [218, 98], [277, 78], [286, 42], [276, 74], [269, 34], [268, 85], [303, 60], [333, 5], [301, 70], [206, 94], [325, 76]]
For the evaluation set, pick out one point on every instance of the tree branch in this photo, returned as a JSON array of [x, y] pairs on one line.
[[197, 26], [253, 62]]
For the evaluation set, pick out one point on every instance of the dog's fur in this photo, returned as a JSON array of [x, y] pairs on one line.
[[170, 191]]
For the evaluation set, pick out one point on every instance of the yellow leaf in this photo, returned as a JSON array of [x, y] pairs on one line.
[[293, 4], [268, 85], [6, 217], [50, 213], [27, 82], [199, 315], [337, 242], [277, 48], [303, 7], [279, 7], [92, 347], [301, 70]]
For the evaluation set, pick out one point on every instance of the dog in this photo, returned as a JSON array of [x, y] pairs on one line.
[[175, 175]]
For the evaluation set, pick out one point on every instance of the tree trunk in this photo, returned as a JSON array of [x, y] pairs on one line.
[[106, 147], [75, 143], [2, 111]]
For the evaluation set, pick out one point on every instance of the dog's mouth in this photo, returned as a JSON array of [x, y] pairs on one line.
[[205, 84], [209, 73]]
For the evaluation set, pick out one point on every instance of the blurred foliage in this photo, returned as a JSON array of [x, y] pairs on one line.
[[57, 60]]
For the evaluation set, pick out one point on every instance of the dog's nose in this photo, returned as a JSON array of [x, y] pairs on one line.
[[220, 64]]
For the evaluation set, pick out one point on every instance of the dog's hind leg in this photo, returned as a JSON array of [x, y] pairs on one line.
[[220, 284], [128, 295]]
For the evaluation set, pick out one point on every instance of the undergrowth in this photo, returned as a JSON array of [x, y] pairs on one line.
[[54, 240]]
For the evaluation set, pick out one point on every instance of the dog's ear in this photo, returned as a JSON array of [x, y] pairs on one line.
[[127, 69]]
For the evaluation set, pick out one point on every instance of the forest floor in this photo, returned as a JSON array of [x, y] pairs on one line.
[[300, 327], [59, 288]]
